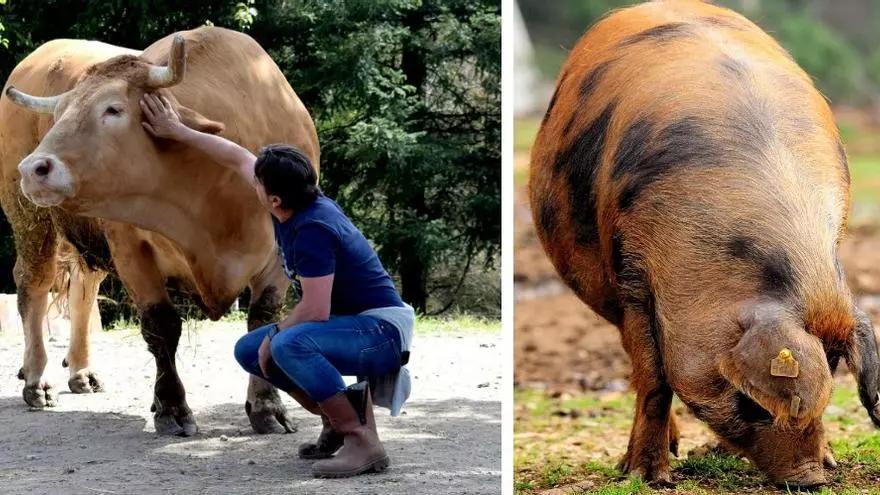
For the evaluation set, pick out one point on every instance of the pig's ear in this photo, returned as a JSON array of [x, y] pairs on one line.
[[863, 360], [778, 365]]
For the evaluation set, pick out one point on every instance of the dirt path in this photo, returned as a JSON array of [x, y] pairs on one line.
[[449, 440]]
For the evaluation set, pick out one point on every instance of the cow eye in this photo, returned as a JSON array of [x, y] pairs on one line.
[[111, 110]]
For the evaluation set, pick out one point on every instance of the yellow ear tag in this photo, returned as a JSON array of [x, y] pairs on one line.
[[784, 364]]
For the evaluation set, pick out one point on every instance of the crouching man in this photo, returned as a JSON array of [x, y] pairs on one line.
[[350, 320]]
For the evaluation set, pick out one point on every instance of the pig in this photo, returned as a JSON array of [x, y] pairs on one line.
[[689, 184]]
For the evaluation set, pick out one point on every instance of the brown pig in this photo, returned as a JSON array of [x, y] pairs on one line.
[[689, 184]]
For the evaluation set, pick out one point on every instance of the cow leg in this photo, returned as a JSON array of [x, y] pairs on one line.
[[34, 273], [81, 296], [160, 328], [263, 406], [651, 439]]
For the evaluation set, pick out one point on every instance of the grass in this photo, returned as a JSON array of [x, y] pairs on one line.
[[524, 132], [865, 179], [457, 323], [432, 324], [574, 442]]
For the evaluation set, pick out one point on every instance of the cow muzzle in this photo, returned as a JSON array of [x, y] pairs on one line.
[[45, 180]]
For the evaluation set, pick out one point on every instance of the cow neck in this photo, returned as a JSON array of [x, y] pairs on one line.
[[199, 219]]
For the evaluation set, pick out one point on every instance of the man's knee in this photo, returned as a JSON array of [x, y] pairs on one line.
[[294, 342], [247, 350]]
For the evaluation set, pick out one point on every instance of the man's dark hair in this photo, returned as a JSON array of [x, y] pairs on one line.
[[287, 173]]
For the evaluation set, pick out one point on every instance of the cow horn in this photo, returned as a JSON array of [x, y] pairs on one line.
[[863, 360], [162, 77], [40, 104]]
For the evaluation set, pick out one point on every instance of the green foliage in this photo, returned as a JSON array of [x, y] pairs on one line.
[[825, 55], [131, 23], [406, 96], [844, 62]]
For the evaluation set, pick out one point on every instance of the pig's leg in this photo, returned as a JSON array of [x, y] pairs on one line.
[[673, 435], [652, 433]]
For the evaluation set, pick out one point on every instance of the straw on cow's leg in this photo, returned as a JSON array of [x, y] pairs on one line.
[[33, 279]]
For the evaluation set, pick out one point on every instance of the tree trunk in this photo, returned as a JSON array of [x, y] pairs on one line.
[[413, 279], [414, 261]]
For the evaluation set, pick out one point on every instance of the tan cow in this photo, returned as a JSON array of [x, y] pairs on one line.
[[153, 211]]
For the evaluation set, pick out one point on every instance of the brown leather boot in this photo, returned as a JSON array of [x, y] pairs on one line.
[[351, 414], [328, 441], [325, 446]]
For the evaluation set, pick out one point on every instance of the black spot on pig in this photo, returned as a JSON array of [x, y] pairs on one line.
[[659, 34], [579, 162]]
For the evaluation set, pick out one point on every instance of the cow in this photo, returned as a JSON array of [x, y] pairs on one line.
[[78, 166], [689, 184]]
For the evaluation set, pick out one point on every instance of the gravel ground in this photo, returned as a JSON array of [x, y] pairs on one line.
[[448, 440]]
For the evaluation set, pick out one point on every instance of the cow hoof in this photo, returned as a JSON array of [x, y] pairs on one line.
[[269, 416], [181, 426], [85, 382], [39, 395]]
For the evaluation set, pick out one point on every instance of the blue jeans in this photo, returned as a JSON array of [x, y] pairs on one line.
[[314, 355]]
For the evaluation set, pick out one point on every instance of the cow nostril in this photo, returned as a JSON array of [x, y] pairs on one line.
[[43, 168]]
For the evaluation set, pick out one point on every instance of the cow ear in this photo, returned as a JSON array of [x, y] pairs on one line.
[[197, 121]]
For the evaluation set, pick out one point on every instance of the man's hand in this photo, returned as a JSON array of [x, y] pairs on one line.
[[264, 355], [161, 120]]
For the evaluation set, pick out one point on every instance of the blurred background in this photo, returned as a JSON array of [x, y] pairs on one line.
[[573, 408], [836, 42], [406, 98]]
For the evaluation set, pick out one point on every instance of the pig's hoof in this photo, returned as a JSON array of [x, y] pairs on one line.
[[674, 435], [828, 459], [673, 445], [652, 472], [85, 381]]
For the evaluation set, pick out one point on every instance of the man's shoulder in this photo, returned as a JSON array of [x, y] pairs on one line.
[[322, 211]]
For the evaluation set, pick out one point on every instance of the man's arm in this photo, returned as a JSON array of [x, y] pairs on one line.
[[314, 306], [163, 122], [315, 303]]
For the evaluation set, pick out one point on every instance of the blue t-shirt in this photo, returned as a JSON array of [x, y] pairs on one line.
[[321, 240]]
